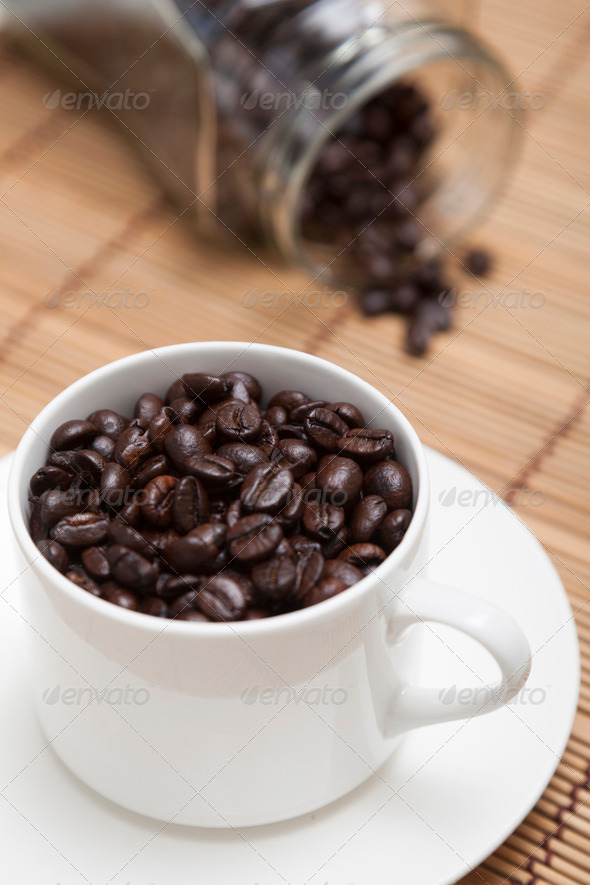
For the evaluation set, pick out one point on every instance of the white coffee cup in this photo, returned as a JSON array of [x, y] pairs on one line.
[[253, 722]]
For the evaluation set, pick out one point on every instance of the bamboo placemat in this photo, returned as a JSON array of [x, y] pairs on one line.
[[505, 393]]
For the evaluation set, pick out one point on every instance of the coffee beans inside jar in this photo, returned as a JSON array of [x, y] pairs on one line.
[[206, 506], [364, 198]]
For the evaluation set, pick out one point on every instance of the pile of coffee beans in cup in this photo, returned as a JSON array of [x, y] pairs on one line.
[[363, 198], [206, 506]]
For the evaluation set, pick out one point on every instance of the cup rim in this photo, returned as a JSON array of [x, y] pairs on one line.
[[325, 610]]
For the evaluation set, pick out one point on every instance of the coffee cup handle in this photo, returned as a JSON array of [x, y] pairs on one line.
[[424, 601]]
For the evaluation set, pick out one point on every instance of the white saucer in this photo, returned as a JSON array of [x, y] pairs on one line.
[[445, 801]]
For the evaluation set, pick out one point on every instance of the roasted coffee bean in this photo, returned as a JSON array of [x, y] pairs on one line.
[[161, 425], [325, 428], [158, 500], [119, 532], [390, 481], [276, 416], [104, 445], [185, 442], [340, 480], [254, 537], [186, 409], [158, 465], [56, 505], [366, 518], [251, 384], [291, 431], [130, 513], [393, 528], [49, 478], [198, 547], [81, 530], [275, 578], [55, 554], [217, 510], [336, 544], [147, 407], [255, 614], [81, 462], [190, 506], [172, 514], [299, 413], [478, 262], [170, 587], [122, 597], [108, 423], [288, 399], [297, 456], [132, 447], [72, 434], [289, 515], [376, 301], [78, 576], [266, 489], [131, 568], [344, 571], [206, 388], [267, 439], [324, 589], [367, 556], [349, 413], [175, 390], [37, 527], [96, 562], [190, 615], [151, 605], [309, 565], [323, 521], [183, 604], [222, 597], [238, 421], [215, 473], [366, 444], [304, 544], [234, 512], [244, 456], [114, 485]]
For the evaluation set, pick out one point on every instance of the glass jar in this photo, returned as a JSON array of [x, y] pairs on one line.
[[240, 99]]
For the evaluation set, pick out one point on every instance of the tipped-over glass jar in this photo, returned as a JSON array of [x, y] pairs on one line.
[[237, 105]]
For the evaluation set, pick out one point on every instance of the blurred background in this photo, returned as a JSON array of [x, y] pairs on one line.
[[98, 262]]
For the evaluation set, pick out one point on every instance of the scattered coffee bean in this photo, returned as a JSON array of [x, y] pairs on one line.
[[205, 507], [478, 262]]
